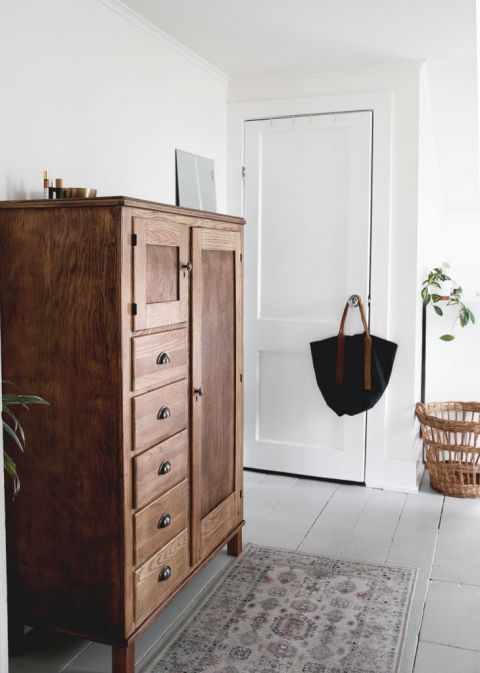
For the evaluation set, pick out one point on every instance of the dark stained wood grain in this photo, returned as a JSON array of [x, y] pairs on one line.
[[162, 273], [123, 201], [149, 535], [149, 482], [66, 272], [60, 307], [234, 546], [123, 659], [216, 496], [218, 377]]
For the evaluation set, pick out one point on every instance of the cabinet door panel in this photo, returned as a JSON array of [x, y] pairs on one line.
[[160, 283], [217, 370]]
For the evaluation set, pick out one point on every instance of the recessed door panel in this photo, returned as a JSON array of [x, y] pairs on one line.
[[218, 376]]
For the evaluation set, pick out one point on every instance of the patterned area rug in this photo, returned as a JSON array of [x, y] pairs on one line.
[[277, 611]]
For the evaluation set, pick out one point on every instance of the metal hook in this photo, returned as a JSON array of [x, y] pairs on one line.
[[353, 300]]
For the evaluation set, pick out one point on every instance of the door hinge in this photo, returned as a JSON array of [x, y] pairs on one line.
[[134, 239], [134, 309], [369, 300], [243, 172], [241, 256]]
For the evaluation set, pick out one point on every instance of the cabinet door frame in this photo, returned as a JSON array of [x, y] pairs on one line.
[[165, 233], [208, 532]]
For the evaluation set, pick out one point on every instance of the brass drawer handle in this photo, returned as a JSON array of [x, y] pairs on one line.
[[164, 521], [165, 573], [165, 467], [163, 413], [163, 359]]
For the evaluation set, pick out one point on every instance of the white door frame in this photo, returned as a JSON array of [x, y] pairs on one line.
[[381, 106]]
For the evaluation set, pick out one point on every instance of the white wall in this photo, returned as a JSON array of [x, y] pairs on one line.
[[101, 98], [398, 461], [453, 368], [94, 94]]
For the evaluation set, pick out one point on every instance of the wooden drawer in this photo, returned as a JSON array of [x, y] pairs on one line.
[[159, 469], [150, 589], [159, 414], [158, 359], [161, 521]]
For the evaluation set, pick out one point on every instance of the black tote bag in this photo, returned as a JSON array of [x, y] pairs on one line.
[[352, 372]]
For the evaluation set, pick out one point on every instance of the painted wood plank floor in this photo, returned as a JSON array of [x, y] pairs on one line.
[[437, 535]]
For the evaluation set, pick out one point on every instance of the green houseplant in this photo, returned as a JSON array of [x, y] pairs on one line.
[[13, 429], [431, 296]]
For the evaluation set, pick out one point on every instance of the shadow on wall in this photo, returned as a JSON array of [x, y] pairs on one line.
[[16, 190]]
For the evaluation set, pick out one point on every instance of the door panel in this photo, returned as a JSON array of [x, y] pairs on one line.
[[160, 284], [218, 374], [217, 370], [307, 203]]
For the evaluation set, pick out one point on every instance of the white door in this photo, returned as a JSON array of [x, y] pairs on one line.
[[307, 248]]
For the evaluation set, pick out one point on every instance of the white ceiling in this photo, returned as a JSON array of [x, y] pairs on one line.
[[252, 38]]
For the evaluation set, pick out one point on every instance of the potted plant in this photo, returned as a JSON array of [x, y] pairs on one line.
[[13, 429], [433, 294]]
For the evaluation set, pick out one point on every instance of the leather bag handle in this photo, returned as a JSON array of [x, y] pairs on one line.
[[367, 347]]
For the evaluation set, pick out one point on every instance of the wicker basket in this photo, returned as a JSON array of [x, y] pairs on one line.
[[451, 436]]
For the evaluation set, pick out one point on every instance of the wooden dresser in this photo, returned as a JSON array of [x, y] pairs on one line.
[[126, 316]]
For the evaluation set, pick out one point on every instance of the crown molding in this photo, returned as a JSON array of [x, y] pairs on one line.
[[414, 64], [151, 29]]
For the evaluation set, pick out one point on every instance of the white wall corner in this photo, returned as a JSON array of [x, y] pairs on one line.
[[154, 31], [403, 476]]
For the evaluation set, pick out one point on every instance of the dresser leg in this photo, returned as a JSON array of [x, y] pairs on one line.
[[234, 546], [123, 659], [16, 634]]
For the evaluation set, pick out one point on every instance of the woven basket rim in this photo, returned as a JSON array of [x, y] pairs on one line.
[[449, 425]]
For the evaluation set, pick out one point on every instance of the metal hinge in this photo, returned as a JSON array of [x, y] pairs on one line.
[[241, 256], [134, 309], [134, 239], [243, 172]]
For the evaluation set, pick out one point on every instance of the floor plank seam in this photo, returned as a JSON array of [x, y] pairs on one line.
[[436, 580], [396, 529], [418, 639], [453, 647], [316, 519], [71, 661], [355, 523]]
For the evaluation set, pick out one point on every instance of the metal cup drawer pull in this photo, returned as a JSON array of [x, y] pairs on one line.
[[165, 467], [163, 413], [164, 521], [165, 573], [163, 359]]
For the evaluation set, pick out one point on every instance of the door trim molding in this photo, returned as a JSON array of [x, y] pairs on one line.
[[380, 103]]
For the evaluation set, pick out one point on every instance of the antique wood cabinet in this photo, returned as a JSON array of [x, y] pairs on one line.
[[126, 316]]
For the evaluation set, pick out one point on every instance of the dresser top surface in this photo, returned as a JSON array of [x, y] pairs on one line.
[[103, 201]]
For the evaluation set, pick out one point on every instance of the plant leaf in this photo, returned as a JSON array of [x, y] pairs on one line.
[[438, 310], [11, 470], [447, 337], [436, 297], [17, 426], [12, 434]]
